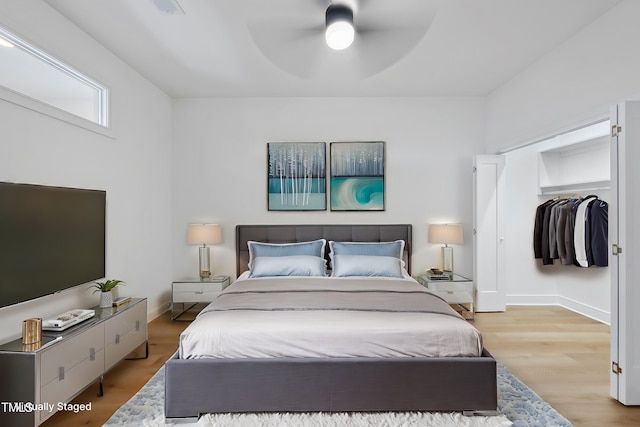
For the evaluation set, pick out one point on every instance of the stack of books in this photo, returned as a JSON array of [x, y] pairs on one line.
[[437, 276], [121, 301]]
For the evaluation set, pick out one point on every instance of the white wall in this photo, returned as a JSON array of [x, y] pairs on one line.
[[574, 85], [220, 159], [133, 166]]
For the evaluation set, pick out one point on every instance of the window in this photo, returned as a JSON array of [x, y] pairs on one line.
[[33, 73]]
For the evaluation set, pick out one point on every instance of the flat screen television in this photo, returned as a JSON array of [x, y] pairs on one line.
[[51, 239]]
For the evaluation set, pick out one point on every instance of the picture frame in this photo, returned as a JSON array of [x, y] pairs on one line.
[[296, 176], [357, 180]]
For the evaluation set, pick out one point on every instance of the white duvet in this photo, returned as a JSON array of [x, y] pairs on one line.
[[321, 317]]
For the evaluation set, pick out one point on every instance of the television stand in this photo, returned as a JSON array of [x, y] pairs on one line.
[[67, 362]]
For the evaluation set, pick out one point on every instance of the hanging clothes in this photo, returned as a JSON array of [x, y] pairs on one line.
[[573, 230], [544, 238], [554, 218], [599, 218], [538, 228], [579, 233], [564, 232]]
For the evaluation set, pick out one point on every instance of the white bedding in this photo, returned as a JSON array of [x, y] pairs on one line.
[[328, 317]]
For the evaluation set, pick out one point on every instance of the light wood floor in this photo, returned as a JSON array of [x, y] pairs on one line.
[[562, 356]]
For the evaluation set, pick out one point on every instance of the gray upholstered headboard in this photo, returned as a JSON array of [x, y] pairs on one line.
[[302, 233]]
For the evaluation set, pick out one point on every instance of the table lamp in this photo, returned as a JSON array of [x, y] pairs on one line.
[[446, 233], [203, 234]]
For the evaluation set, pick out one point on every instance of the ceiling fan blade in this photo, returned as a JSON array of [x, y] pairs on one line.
[[293, 50]]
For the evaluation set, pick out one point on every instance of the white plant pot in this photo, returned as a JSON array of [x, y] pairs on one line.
[[106, 299]]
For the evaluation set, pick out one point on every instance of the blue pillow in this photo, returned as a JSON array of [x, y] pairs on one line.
[[297, 265], [261, 249], [366, 265], [391, 249]]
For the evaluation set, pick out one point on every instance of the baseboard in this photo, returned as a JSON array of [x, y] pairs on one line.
[[161, 309], [533, 300], [586, 310], [568, 303]]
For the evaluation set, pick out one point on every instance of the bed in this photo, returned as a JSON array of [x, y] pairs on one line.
[[257, 373]]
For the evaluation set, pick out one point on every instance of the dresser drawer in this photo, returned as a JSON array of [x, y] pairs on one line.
[[66, 369], [124, 333]]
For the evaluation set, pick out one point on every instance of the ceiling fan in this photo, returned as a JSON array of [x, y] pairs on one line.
[[350, 38]]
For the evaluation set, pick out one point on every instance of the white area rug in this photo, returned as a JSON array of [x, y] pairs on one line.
[[518, 404], [383, 419]]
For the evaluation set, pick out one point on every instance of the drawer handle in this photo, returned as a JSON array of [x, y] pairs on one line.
[[199, 292], [137, 325], [117, 338], [92, 354], [61, 373]]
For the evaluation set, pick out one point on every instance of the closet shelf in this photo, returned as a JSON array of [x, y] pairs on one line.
[[582, 167], [578, 187]]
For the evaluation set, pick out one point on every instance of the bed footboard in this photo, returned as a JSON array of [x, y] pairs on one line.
[[198, 386]]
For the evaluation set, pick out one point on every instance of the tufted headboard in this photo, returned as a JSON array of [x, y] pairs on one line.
[[302, 233]]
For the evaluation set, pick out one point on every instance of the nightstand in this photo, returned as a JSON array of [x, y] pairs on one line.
[[194, 292], [457, 290]]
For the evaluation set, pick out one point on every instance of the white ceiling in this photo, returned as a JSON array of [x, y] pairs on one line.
[[276, 47]]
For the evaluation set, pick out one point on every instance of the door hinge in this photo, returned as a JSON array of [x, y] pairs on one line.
[[615, 249], [475, 169], [615, 130], [615, 368]]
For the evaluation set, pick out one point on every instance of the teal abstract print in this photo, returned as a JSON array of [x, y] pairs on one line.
[[297, 176], [357, 176]]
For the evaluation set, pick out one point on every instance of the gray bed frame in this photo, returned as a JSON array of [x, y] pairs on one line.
[[198, 386]]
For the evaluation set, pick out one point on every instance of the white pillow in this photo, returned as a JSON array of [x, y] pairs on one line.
[[366, 265], [296, 265]]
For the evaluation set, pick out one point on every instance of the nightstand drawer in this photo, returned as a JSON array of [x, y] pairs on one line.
[[453, 297], [205, 291], [446, 286], [198, 287], [195, 296]]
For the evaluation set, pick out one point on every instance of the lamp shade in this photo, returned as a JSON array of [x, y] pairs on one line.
[[445, 233], [202, 234]]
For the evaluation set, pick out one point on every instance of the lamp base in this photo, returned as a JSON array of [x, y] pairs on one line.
[[447, 259], [205, 271]]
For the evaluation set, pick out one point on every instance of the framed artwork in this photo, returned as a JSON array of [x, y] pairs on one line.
[[297, 176], [357, 176]]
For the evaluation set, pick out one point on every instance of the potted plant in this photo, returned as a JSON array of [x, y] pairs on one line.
[[105, 288]]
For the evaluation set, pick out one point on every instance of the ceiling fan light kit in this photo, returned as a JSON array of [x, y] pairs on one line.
[[339, 32]]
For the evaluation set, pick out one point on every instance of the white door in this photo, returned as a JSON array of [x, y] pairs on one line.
[[488, 232], [624, 239]]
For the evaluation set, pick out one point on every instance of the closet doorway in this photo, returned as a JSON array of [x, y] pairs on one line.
[[596, 160]]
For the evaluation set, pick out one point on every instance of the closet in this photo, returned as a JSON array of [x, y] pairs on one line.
[[573, 169], [574, 162]]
